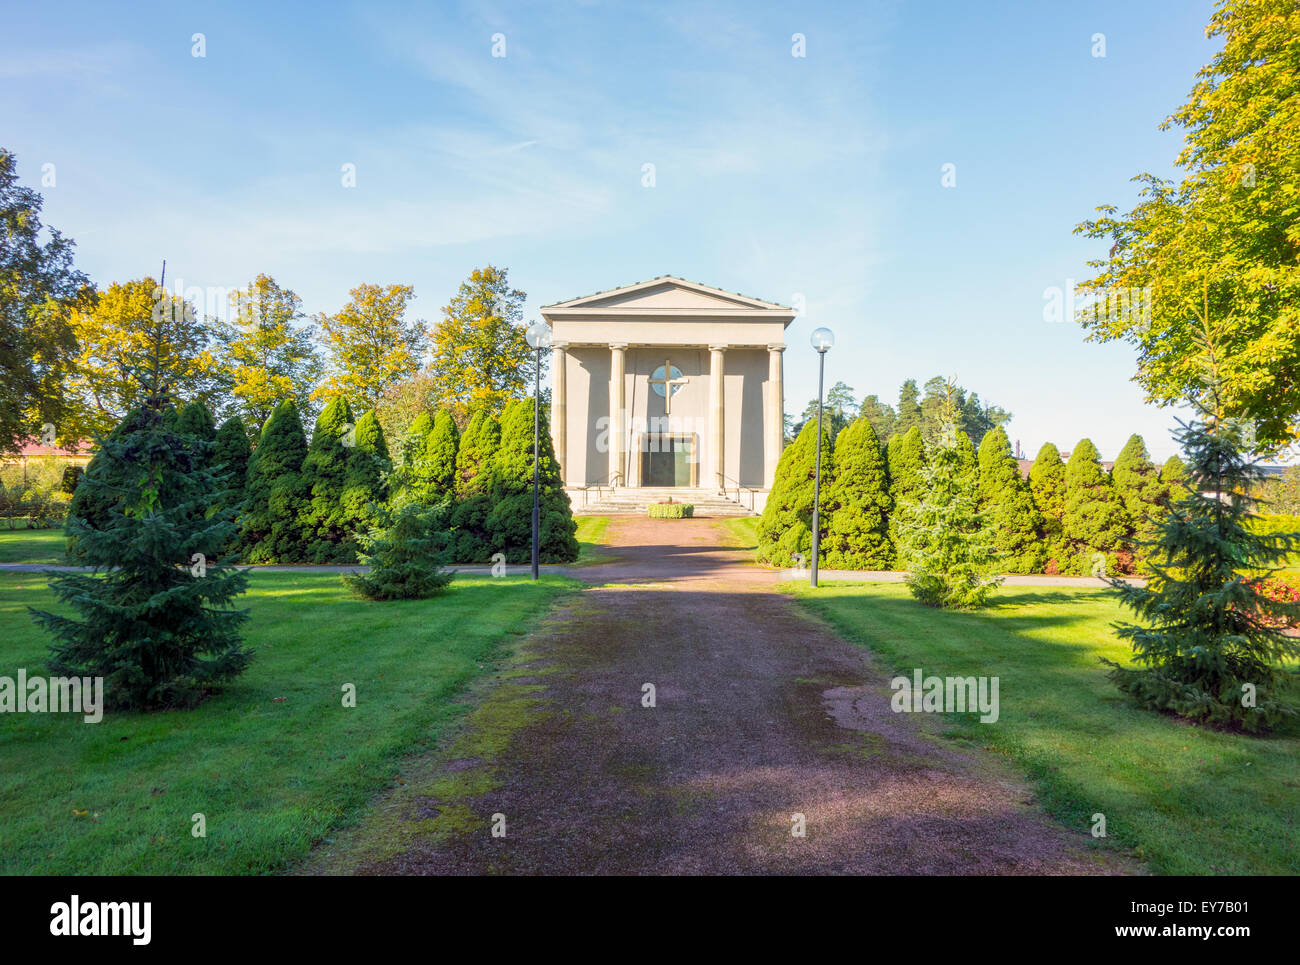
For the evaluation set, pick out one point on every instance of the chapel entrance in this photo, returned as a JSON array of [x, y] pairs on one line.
[[668, 459]]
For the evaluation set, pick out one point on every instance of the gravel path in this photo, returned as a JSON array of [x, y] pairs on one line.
[[761, 714]]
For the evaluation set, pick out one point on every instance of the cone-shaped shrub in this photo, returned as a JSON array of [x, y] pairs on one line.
[[195, 420], [478, 448], [155, 618], [230, 455], [1174, 476], [1143, 496], [328, 533], [1094, 523], [944, 543], [1208, 647], [1013, 519], [1047, 486], [270, 529], [406, 556], [410, 452], [857, 537], [364, 489], [906, 461], [510, 519], [785, 528], [440, 457]]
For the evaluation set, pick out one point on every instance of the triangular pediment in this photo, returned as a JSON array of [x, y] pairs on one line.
[[668, 293]]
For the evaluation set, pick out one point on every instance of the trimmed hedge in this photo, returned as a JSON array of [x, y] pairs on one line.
[[671, 511]]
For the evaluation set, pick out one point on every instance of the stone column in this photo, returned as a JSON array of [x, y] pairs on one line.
[[774, 425], [560, 407], [617, 411], [717, 417]]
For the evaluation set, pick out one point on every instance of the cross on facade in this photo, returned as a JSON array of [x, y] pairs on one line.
[[669, 384]]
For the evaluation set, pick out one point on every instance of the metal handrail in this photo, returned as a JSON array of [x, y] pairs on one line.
[[739, 488], [599, 487]]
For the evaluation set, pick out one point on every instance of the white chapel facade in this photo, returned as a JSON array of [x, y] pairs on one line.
[[668, 383]]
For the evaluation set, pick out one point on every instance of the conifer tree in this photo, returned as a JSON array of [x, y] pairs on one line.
[[327, 531], [1047, 486], [195, 420], [1209, 646], [96, 504], [1094, 522], [1137, 484], [1173, 474], [474, 457], [230, 455], [510, 519], [406, 464], [156, 619], [785, 528], [944, 542], [440, 457], [364, 488], [1014, 521], [271, 528], [857, 536], [406, 556], [906, 462]]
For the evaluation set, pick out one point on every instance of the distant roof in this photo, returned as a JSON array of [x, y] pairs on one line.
[[670, 278], [33, 447]]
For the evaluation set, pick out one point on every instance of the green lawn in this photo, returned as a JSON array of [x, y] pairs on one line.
[[1187, 800], [742, 531], [591, 536], [275, 763], [32, 545]]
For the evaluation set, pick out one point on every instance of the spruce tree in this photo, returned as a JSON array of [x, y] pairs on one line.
[[1094, 522], [406, 556], [944, 542], [327, 532], [510, 519], [1208, 647], [785, 528], [403, 482], [270, 529], [156, 621], [857, 535], [1137, 484], [1047, 486], [1013, 519], [906, 462], [97, 503]]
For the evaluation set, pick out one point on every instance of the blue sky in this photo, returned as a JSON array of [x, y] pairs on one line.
[[774, 175]]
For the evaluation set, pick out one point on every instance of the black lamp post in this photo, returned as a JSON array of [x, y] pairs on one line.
[[539, 337], [822, 339]]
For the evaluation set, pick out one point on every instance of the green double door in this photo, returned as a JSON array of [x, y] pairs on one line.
[[666, 460]]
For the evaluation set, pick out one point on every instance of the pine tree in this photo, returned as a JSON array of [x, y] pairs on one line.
[[1208, 647], [785, 528], [1094, 522], [155, 614], [406, 557], [1138, 486], [857, 536], [271, 529], [944, 542], [510, 520], [1004, 498], [906, 463], [1047, 486]]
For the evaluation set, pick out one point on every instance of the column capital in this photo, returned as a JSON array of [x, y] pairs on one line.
[[560, 345], [617, 346], [776, 346], [718, 348]]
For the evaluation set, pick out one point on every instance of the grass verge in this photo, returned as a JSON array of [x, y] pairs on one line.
[[276, 762], [1185, 799]]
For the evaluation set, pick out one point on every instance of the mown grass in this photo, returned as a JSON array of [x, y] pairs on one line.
[[591, 537], [32, 545], [741, 531], [1185, 799], [275, 762]]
